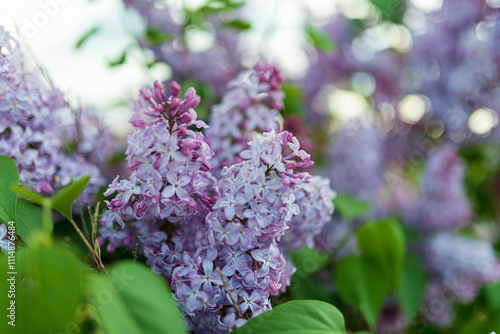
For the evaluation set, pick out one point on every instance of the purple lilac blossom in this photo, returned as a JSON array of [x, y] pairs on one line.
[[391, 318], [4, 239], [455, 62], [438, 304], [87, 135], [300, 129], [315, 201], [251, 105], [217, 245], [356, 160], [220, 256], [240, 250], [338, 68], [249, 221], [169, 178], [30, 116], [457, 266], [443, 204]]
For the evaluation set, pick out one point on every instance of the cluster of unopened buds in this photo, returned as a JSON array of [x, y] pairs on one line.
[[219, 244]]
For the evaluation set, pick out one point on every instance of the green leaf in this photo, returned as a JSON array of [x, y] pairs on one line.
[[63, 199], [308, 261], [8, 197], [351, 207], [86, 36], [237, 24], [411, 289], [297, 317], [304, 288], [492, 292], [294, 99], [362, 283], [29, 220], [156, 36], [120, 60], [392, 10], [384, 241], [319, 39], [33, 195], [47, 290], [131, 299]]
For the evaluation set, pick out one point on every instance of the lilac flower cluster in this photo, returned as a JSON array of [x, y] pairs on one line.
[[217, 245], [315, 201], [87, 135], [443, 204], [30, 115], [455, 62], [243, 234], [356, 160], [459, 266], [169, 178], [251, 104]]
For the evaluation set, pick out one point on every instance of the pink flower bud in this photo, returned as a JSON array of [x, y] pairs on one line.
[[191, 204], [186, 117], [206, 200], [290, 164], [191, 144], [181, 132], [193, 102], [133, 165], [146, 93], [175, 102], [273, 287], [159, 95], [115, 204], [185, 151], [157, 163], [47, 189], [175, 88]]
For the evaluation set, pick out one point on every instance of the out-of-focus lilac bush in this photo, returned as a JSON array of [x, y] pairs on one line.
[[32, 111]]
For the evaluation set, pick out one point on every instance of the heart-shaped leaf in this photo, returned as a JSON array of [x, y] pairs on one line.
[[298, 316], [63, 199]]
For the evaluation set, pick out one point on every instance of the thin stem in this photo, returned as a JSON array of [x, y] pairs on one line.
[[235, 305], [77, 229], [94, 255], [84, 223]]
